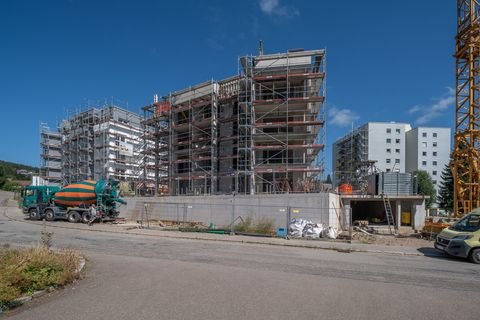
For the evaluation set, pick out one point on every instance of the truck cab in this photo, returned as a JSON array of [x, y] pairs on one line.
[[34, 198], [462, 239]]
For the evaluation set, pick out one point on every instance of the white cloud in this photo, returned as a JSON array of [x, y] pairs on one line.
[[341, 117], [414, 109], [268, 6], [437, 109], [274, 8]]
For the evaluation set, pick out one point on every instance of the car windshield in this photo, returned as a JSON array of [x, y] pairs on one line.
[[469, 223]]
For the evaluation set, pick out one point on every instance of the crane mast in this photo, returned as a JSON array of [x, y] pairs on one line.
[[465, 157]]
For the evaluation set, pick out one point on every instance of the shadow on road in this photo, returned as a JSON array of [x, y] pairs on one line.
[[434, 253]]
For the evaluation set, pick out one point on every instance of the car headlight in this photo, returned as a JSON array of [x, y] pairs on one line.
[[465, 237]]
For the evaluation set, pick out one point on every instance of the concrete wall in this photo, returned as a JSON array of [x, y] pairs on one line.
[[412, 150], [419, 215], [221, 210]]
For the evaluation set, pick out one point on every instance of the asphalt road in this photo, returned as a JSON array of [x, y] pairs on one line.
[[137, 277]]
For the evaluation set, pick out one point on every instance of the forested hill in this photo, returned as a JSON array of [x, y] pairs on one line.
[[12, 173]]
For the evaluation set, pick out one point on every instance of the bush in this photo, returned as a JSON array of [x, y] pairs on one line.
[[245, 225], [25, 271], [265, 226], [262, 226]]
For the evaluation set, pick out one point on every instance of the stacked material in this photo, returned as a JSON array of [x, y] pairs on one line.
[[300, 228]]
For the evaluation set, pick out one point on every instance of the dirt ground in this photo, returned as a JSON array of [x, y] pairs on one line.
[[391, 240]]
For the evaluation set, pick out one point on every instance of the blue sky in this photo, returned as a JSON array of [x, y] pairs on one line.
[[386, 60]]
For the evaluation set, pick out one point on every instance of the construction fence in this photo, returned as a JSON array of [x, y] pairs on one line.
[[232, 212]]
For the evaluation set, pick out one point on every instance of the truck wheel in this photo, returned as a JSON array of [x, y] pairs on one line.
[[475, 255], [74, 217], [86, 217], [49, 215], [33, 214]]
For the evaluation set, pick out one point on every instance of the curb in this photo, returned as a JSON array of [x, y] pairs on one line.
[[342, 250]]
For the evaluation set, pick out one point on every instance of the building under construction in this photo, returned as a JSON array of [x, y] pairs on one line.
[[50, 155], [261, 131], [98, 143]]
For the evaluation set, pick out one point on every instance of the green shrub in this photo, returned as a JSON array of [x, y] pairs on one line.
[[245, 225], [261, 226], [265, 226], [25, 271]]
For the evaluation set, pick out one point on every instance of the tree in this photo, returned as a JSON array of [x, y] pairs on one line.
[[445, 192], [3, 179], [425, 186]]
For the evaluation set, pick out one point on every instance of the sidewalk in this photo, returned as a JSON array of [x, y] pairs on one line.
[[130, 228]]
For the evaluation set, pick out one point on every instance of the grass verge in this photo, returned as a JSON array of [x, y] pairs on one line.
[[261, 226], [24, 271]]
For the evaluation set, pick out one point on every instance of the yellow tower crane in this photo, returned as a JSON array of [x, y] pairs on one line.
[[466, 154]]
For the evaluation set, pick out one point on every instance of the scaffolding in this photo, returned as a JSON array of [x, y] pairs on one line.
[[351, 163], [101, 143], [287, 115], [258, 132], [50, 155]]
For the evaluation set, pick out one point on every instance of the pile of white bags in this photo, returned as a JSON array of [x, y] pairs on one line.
[[312, 230], [330, 233], [296, 226], [299, 228]]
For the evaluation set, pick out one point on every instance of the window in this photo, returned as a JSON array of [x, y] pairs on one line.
[[434, 163], [424, 144], [388, 160], [389, 130], [397, 131], [434, 181], [397, 150], [434, 134], [397, 140], [388, 170], [434, 144], [424, 163], [424, 134], [397, 160], [424, 153], [434, 172], [389, 150], [434, 153], [470, 223], [389, 140]]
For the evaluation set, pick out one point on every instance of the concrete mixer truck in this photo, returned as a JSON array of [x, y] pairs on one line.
[[73, 201]]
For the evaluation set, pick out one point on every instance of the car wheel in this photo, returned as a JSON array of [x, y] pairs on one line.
[[86, 217], [475, 255], [33, 214], [49, 215], [73, 217]]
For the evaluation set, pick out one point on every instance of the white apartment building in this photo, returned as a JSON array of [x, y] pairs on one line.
[[428, 149], [387, 145], [99, 143], [395, 147], [382, 142]]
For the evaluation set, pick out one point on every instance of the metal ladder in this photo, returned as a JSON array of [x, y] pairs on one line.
[[388, 213]]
